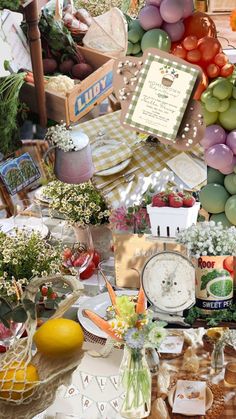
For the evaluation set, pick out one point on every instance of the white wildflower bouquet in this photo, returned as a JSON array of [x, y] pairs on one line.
[[208, 239], [79, 204], [60, 136], [22, 257]]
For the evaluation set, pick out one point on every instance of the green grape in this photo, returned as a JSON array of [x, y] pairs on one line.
[[234, 92], [209, 117], [223, 90], [136, 48], [129, 48], [224, 105], [212, 104], [206, 95]]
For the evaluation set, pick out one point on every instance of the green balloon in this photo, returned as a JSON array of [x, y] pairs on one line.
[[213, 198], [156, 38], [221, 218], [230, 209], [215, 176], [230, 183]]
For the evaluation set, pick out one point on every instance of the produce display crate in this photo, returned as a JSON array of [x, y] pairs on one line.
[[83, 97], [167, 221]]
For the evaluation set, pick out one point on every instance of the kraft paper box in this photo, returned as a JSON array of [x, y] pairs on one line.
[[132, 251]]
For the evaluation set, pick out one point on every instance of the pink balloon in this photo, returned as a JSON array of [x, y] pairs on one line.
[[174, 30], [229, 169], [214, 134], [150, 18], [219, 156], [188, 8], [154, 2], [171, 10], [231, 141]]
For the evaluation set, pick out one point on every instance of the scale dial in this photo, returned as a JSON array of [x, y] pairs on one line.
[[168, 280]]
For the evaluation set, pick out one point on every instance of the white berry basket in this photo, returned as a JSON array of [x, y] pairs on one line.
[[167, 221]]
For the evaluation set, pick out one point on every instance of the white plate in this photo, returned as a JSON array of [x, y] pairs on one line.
[[98, 304], [115, 169], [209, 399], [25, 223]]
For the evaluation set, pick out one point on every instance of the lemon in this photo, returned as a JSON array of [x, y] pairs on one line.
[[18, 379], [59, 337], [215, 333]]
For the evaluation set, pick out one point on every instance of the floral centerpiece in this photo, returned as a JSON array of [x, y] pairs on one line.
[[23, 256], [133, 218], [132, 326], [212, 247], [60, 136]]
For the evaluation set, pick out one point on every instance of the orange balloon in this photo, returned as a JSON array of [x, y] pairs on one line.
[[201, 87], [199, 25]]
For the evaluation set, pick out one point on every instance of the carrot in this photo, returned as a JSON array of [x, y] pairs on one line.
[[111, 292], [101, 323], [29, 77], [141, 303]]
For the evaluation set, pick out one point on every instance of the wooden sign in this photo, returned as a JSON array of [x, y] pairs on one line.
[[156, 94]]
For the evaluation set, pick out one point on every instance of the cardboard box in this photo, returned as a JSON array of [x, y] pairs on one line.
[[85, 95]]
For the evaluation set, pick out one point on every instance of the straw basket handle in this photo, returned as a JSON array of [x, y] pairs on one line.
[[34, 285]]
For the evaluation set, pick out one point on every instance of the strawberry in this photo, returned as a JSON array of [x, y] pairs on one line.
[[160, 200], [181, 194], [188, 200], [53, 295], [44, 291], [175, 201]]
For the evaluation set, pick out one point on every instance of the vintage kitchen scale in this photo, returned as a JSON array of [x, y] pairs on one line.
[[168, 280]]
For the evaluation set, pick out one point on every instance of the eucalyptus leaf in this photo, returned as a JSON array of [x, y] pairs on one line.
[[19, 314], [5, 307], [30, 307], [4, 322]]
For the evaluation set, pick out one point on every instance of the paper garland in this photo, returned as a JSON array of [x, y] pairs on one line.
[[87, 402]]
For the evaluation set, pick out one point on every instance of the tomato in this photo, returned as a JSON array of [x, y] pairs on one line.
[[53, 295], [194, 56], [67, 253], [180, 52], [190, 42], [200, 24], [209, 48], [89, 271], [44, 291], [213, 71], [227, 70], [221, 59], [201, 87], [96, 258]]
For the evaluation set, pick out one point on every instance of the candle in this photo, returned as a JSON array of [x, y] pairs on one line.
[[230, 374]]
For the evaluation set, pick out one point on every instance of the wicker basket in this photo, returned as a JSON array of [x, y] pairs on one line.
[[52, 372]]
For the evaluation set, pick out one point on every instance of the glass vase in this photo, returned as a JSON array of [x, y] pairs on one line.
[[217, 357], [137, 384]]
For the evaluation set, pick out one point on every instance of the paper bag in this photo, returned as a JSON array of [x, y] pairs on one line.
[[131, 253]]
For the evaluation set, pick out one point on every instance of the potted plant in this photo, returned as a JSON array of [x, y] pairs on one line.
[[73, 158], [212, 246], [82, 205], [23, 256]]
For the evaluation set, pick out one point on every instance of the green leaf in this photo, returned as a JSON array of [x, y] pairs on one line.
[[5, 322], [30, 307], [19, 314], [5, 307]]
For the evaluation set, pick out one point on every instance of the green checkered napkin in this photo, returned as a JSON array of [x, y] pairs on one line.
[[107, 154]]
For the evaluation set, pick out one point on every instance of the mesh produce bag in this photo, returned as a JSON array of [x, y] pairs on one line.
[[23, 400], [108, 34]]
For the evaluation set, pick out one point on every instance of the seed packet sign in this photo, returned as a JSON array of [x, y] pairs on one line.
[[214, 284], [156, 97]]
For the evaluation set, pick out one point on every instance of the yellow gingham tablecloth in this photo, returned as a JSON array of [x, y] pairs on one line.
[[147, 158]]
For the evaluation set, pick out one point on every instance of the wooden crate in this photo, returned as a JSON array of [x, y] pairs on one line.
[[85, 95]]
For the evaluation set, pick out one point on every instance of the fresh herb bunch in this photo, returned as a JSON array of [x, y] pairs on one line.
[[228, 315], [9, 105], [10, 4], [79, 204]]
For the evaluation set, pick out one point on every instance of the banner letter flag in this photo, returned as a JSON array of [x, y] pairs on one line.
[[115, 404], [101, 407], [71, 392], [115, 381], [86, 403], [86, 378], [101, 382]]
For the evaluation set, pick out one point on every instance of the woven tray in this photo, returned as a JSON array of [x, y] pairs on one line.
[[218, 405]]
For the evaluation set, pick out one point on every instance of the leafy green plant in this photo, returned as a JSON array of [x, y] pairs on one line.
[[216, 317], [212, 275], [10, 4]]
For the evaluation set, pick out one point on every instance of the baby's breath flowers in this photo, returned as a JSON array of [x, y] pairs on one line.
[[60, 136], [208, 239], [22, 257], [79, 204]]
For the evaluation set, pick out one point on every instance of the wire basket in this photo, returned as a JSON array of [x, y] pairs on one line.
[[23, 400]]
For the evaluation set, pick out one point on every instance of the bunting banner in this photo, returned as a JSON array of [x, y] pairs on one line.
[[71, 391]]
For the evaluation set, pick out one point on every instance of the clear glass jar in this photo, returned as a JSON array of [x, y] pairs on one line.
[[217, 357], [137, 383]]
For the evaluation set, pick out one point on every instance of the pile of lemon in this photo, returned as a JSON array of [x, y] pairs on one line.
[[56, 338]]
